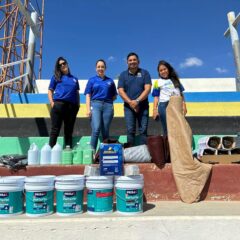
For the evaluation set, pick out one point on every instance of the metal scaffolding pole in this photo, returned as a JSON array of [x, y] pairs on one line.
[[28, 83], [232, 31], [15, 25]]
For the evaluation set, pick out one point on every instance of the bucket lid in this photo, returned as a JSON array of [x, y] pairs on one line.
[[72, 177], [130, 179], [40, 179], [12, 180], [99, 179]]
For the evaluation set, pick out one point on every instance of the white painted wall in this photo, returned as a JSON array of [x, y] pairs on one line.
[[190, 84]]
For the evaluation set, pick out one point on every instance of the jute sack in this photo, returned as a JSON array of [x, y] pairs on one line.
[[190, 175]]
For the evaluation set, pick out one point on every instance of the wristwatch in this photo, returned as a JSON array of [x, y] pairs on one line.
[[137, 100]]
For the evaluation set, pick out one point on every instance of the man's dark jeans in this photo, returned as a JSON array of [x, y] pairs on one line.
[[131, 117]]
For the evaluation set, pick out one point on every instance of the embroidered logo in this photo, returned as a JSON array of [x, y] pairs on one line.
[[139, 74]]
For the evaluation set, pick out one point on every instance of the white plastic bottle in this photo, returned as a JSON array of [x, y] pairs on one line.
[[45, 155], [33, 155], [56, 154]]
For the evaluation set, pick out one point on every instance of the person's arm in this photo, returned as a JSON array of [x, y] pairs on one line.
[[182, 89], [50, 97], [143, 96], [88, 105], [184, 104], [114, 97], [124, 96], [114, 89], [87, 92], [78, 97], [132, 103], [155, 107], [51, 87]]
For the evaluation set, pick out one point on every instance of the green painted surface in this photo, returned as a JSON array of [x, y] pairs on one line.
[[19, 145]]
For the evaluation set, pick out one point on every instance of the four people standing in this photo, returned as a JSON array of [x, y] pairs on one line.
[[134, 86]]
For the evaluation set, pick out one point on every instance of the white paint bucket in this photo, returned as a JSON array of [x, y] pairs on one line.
[[39, 195], [69, 194], [129, 194], [99, 194], [11, 195]]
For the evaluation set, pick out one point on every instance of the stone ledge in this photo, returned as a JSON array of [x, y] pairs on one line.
[[223, 184]]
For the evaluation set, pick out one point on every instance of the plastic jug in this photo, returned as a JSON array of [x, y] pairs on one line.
[[77, 154], [45, 155], [67, 156], [56, 154], [88, 154], [33, 155]]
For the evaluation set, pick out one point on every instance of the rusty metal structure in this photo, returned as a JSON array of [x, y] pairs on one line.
[[15, 28]]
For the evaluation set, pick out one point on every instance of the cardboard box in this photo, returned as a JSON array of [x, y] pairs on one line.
[[111, 159], [221, 159]]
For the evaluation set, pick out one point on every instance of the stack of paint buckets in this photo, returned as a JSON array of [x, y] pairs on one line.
[[129, 194], [129, 189], [39, 194]]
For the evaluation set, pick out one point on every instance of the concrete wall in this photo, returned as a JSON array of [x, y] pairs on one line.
[[190, 85]]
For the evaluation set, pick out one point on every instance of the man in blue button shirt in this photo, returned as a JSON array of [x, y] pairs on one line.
[[134, 85]]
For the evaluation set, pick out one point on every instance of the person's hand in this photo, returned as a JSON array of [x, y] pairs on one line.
[[89, 114], [134, 104], [184, 109], [136, 109], [155, 114], [52, 104]]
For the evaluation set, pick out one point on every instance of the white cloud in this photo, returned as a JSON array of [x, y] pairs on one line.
[[221, 70], [111, 59], [191, 62]]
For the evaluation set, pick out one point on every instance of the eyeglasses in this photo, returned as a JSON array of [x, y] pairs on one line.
[[62, 64]]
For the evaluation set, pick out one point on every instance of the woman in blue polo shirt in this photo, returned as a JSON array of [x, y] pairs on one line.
[[100, 93], [63, 95]]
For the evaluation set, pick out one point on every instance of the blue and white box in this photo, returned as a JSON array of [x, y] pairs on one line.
[[111, 159]]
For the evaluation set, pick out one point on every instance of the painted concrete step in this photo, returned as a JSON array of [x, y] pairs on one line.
[[162, 220]]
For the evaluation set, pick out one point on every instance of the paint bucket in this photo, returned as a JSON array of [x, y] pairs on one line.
[[11, 195], [99, 194], [129, 194], [69, 192], [39, 195]]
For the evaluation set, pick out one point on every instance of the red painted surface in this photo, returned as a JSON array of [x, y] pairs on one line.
[[159, 183]]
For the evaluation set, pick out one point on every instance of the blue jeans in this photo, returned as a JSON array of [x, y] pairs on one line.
[[102, 115], [162, 107], [131, 117]]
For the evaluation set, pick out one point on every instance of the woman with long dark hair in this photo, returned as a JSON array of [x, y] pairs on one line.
[[166, 86], [63, 95], [100, 93]]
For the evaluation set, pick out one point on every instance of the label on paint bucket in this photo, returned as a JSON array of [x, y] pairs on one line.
[[69, 201], [39, 202], [129, 200], [11, 202], [100, 200]]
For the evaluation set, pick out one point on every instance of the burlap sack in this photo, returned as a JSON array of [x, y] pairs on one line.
[[190, 174]]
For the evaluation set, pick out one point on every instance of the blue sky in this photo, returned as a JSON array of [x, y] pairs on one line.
[[187, 33]]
